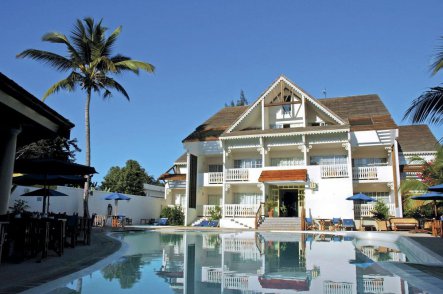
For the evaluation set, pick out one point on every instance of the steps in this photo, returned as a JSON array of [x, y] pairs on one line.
[[281, 224]]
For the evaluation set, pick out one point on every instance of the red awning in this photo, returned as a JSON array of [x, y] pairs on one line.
[[283, 175]]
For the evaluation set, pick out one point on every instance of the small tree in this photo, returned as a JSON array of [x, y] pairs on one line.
[[240, 102], [19, 206], [381, 211], [175, 215], [215, 213]]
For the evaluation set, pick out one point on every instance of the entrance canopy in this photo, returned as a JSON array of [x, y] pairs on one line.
[[283, 176]]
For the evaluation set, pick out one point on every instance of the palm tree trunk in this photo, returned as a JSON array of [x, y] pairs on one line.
[[88, 154]]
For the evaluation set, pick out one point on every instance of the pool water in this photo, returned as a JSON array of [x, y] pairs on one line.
[[249, 262]]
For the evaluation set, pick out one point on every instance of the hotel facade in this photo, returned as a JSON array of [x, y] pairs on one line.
[[303, 155]]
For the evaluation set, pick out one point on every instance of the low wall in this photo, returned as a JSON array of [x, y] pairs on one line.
[[136, 208]]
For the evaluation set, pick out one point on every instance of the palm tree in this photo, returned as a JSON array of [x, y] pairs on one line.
[[429, 105], [90, 66]]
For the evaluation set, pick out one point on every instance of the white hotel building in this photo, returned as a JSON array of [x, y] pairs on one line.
[[306, 154]]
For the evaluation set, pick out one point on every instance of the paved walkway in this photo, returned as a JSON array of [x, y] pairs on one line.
[[28, 274]]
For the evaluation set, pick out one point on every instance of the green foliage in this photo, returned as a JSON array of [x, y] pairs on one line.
[[128, 179], [57, 148], [215, 213], [240, 102], [19, 206], [175, 215], [381, 211], [270, 204], [126, 271]]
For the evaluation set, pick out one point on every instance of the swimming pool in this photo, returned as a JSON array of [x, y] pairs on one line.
[[252, 262]]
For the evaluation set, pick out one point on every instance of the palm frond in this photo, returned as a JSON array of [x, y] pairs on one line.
[[80, 41], [427, 107], [110, 83], [437, 65], [104, 64], [109, 43], [134, 66], [59, 38], [66, 84], [59, 62]]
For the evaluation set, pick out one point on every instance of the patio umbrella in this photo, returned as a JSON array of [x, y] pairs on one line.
[[359, 199], [434, 196], [45, 192], [436, 188], [116, 197]]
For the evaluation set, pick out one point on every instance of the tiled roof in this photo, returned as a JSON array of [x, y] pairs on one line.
[[363, 112], [283, 175], [211, 129], [415, 138], [284, 130], [172, 177], [182, 159]]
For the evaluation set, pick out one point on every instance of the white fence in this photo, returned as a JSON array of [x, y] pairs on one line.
[[365, 210], [236, 282], [237, 174], [207, 209], [215, 178], [373, 285], [240, 210], [330, 287], [364, 173], [334, 171]]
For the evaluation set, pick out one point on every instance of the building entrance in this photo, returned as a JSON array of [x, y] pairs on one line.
[[288, 199]]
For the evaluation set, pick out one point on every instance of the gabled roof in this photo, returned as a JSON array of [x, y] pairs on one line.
[[416, 138], [182, 159], [211, 129], [295, 88], [362, 112]]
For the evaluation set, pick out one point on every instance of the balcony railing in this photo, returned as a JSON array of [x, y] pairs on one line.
[[373, 285], [236, 282], [207, 209], [365, 210], [237, 174], [330, 287], [364, 173], [240, 210], [215, 178], [334, 171]]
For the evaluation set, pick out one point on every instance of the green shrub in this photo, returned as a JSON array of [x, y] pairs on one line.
[[175, 215], [215, 213], [381, 211]]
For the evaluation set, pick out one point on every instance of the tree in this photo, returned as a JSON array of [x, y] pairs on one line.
[[57, 148], [128, 179], [90, 64], [240, 102], [429, 106]]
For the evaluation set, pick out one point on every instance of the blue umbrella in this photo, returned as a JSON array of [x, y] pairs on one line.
[[116, 197], [361, 197], [436, 188], [434, 196]]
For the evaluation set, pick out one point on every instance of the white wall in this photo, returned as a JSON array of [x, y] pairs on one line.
[[136, 208]]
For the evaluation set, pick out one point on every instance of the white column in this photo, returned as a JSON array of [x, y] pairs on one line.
[[8, 144], [305, 150], [224, 184]]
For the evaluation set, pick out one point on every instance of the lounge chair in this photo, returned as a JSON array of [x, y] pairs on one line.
[[163, 221], [336, 222], [348, 223], [310, 225], [213, 224], [204, 223]]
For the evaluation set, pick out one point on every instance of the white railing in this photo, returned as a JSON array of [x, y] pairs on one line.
[[373, 285], [215, 178], [240, 210], [364, 173], [207, 209], [365, 210], [237, 174], [236, 282], [211, 275], [334, 171], [330, 287]]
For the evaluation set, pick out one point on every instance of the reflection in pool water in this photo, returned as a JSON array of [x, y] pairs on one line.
[[247, 262]]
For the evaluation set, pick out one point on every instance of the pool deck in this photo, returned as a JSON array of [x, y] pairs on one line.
[[28, 274]]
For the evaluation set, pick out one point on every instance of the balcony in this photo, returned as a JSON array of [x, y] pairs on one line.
[[334, 171], [207, 209], [237, 175], [372, 173], [365, 210], [214, 178], [240, 210]]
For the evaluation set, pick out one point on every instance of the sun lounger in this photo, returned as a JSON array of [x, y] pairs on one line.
[[403, 224], [213, 224], [310, 225], [163, 221], [204, 223], [336, 222], [348, 223]]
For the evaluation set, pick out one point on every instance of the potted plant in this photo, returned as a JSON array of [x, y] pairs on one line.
[[270, 207], [381, 215], [19, 207]]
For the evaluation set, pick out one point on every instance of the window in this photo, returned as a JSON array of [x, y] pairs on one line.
[[329, 160], [287, 161], [180, 199], [382, 196], [247, 198], [247, 163], [214, 199], [369, 161], [215, 168]]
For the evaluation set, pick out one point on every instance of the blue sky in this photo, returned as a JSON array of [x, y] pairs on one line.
[[205, 52]]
